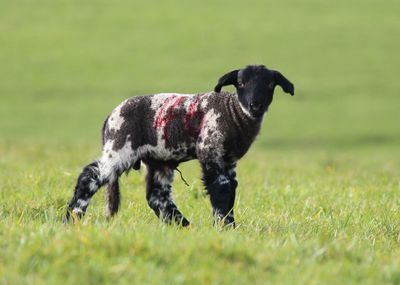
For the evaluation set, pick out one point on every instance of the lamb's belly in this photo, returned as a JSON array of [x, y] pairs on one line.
[[180, 153]]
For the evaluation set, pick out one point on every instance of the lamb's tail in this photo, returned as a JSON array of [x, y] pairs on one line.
[[103, 130], [113, 197]]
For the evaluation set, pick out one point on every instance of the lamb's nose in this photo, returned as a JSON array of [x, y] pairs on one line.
[[255, 106]]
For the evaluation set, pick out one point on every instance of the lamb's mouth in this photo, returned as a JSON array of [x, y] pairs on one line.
[[257, 114]]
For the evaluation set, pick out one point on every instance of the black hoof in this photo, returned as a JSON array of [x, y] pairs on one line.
[[74, 216], [184, 222]]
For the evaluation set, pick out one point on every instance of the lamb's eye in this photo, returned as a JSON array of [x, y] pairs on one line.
[[241, 84], [271, 85]]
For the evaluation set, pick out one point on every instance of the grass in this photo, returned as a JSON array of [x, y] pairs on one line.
[[318, 192]]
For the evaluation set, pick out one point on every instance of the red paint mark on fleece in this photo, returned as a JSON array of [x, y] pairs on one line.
[[193, 114], [192, 118], [159, 121], [167, 113]]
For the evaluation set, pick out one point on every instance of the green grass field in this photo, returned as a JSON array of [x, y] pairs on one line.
[[318, 196]]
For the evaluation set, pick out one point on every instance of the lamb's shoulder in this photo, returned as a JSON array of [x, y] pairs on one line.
[[228, 130]]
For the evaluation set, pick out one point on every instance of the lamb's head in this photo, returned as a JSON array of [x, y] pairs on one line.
[[255, 85]]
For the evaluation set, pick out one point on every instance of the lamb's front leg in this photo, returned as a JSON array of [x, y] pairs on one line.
[[218, 183], [230, 169]]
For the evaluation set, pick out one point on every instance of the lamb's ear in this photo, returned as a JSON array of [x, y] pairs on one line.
[[283, 82], [228, 79]]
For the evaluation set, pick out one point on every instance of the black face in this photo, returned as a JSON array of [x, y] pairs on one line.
[[255, 85], [255, 89]]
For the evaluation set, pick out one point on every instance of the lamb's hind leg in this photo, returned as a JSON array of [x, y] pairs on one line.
[[159, 194], [89, 181]]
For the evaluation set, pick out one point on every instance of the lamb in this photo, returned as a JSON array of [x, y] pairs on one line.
[[163, 130]]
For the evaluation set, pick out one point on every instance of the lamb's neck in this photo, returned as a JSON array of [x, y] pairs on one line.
[[247, 125]]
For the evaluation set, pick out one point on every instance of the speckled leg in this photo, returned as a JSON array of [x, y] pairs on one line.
[[231, 172], [88, 183], [159, 194], [222, 195]]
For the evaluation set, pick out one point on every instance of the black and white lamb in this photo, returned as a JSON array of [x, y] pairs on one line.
[[163, 130]]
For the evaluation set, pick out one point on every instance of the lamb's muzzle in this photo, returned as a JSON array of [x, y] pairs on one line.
[[163, 130]]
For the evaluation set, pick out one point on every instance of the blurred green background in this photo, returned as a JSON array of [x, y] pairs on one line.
[[318, 192], [64, 65]]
